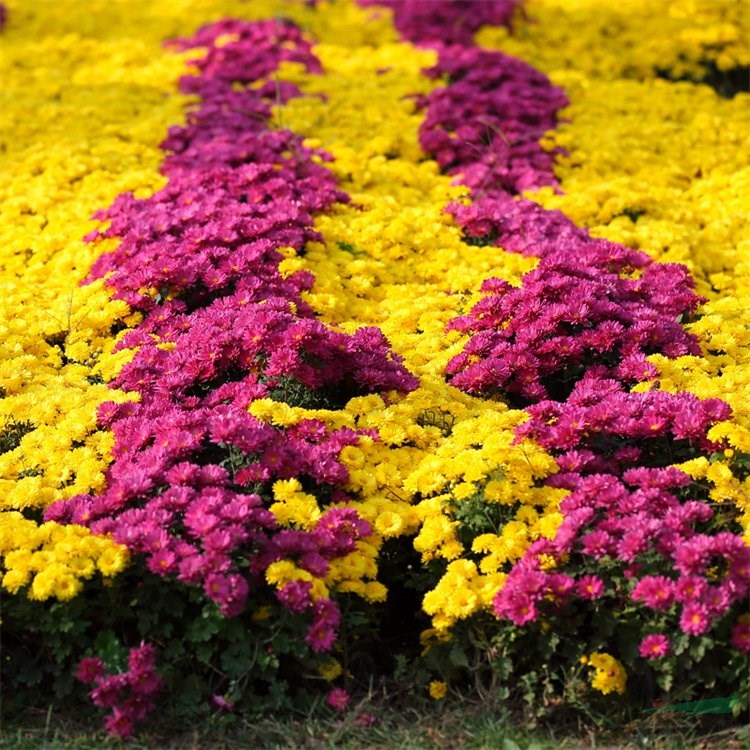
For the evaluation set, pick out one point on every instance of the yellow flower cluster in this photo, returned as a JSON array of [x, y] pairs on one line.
[[627, 39], [723, 371], [53, 559], [395, 259], [430, 463], [651, 178], [609, 675]]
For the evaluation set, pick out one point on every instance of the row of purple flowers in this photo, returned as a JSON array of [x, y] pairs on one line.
[[568, 345], [222, 327]]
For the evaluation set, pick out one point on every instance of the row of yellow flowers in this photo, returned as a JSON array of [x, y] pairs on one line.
[[393, 258]]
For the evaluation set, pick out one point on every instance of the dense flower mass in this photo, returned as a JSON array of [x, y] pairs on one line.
[[371, 304], [583, 306], [580, 327], [223, 329], [450, 22]]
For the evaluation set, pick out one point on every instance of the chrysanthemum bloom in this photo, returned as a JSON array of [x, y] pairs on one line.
[[119, 724], [695, 619], [740, 638], [654, 646], [438, 690], [610, 675], [89, 669], [338, 699], [656, 592], [330, 670]]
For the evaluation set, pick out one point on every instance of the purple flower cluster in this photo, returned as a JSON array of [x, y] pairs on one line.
[[603, 428], [567, 345], [448, 21], [129, 694], [222, 327], [237, 190], [638, 520], [587, 304], [485, 125]]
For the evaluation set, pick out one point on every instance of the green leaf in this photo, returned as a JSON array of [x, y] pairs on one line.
[[707, 706], [237, 659], [457, 657]]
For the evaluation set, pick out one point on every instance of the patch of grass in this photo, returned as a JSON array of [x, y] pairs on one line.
[[461, 726]]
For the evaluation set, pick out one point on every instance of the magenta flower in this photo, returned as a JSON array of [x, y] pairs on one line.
[[222, 703], [295, 595], [109, 689], [119, 724], [162, 562], [695, 619], [656, 592], [145, 682], [321, 635], [590, 587], [596, 544], [690, 588], [338, 699], [740, 638], [654, 646], [519, 610], [143, 657], [89, 669]]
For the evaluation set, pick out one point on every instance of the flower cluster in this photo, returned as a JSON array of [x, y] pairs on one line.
[[678, 39], [222, 328], [609, 674], [467, 329], [651, 180], [84, 145], [449, 22], [564, 343], [589, 297], [130, 694], [54, 560], [485, 125], [587, 304], [437, 446]]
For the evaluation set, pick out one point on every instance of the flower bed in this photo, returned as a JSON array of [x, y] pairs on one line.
[[379, 350]]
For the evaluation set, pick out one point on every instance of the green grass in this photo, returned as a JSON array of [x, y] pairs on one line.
[[441, 727]]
